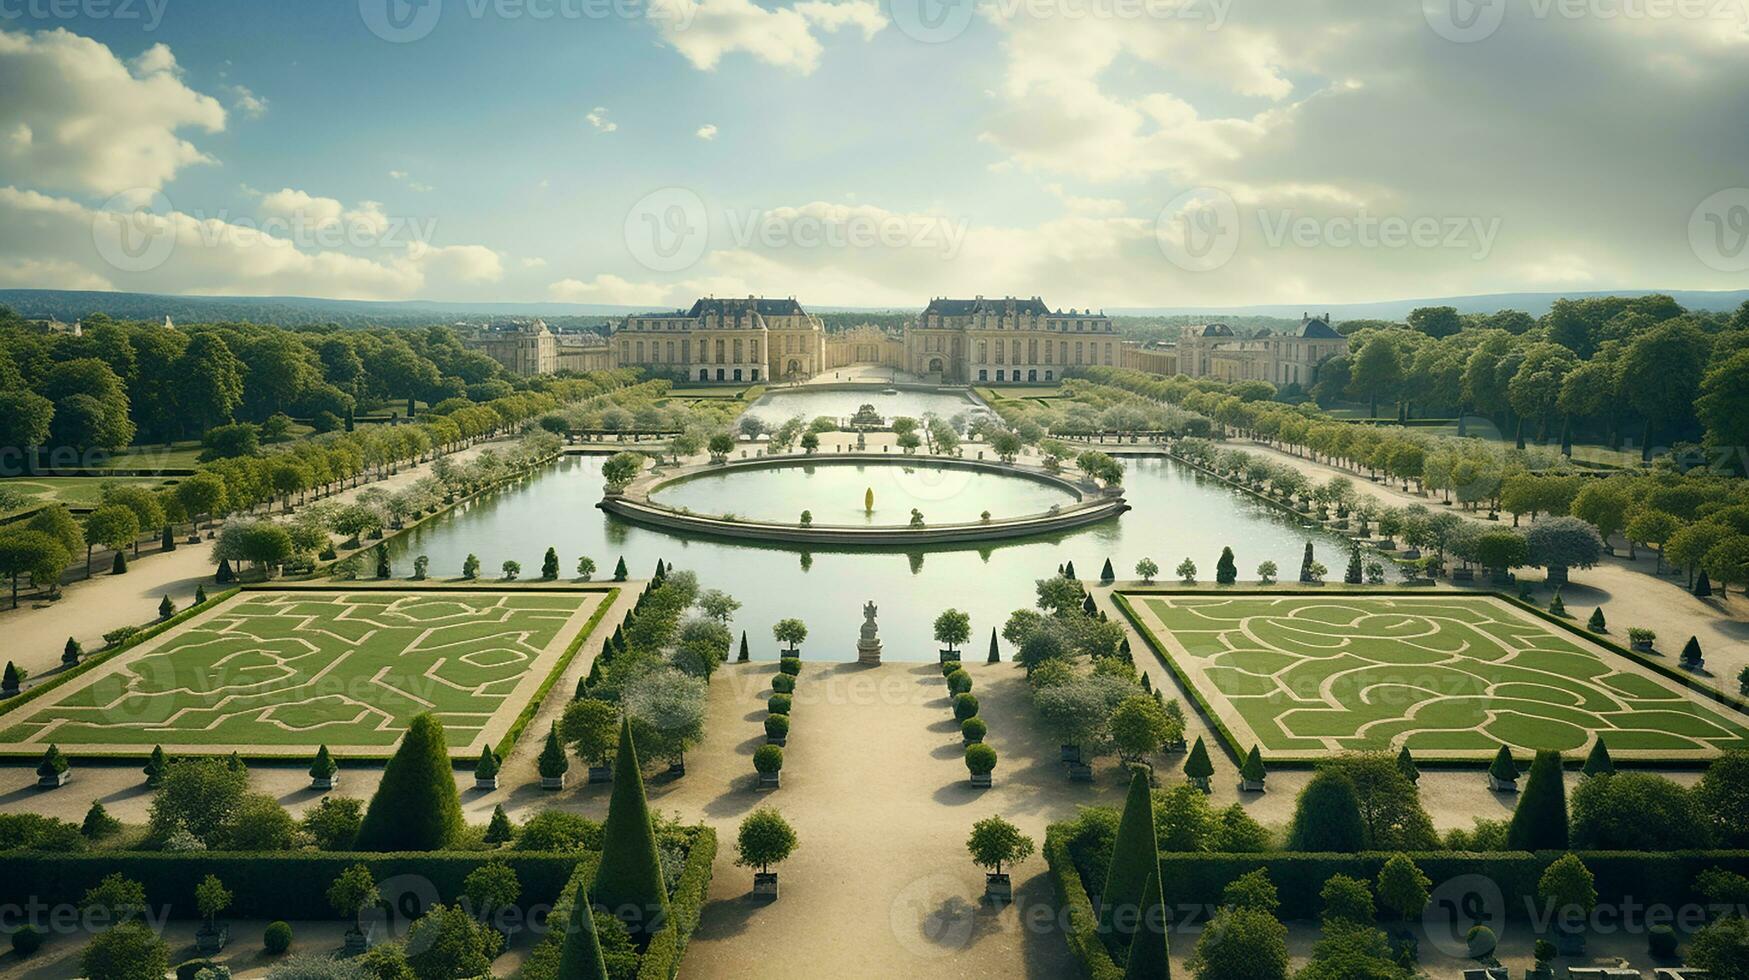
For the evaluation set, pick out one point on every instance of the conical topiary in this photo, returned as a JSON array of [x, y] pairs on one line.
[[1703, 586], [1087, 605], [628, 881], [71, 652], [1503, 768], [324, 766], [1253, 770], [167, 540], [1226, 569], [745, 655], [200, 595], [1596, 624], [415, 807], [499, 830], [1069, 570], [1353, 575], [1406, 765], [1134, 855], [1107, 574], [224, 575], [166, 608], [155, 767], [553, 761], [119, 566], [1150, 951], [1306, 563], [487, 767], [619, 569], [995, 653], [11, 679], [1598, 763], [581, 955], [1197, 765], [1691, 655], [1539, 823]]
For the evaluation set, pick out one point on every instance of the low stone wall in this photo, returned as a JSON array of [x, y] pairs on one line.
[[1092, 507]]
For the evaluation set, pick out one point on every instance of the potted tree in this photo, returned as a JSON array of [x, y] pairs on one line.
[[324, 771], [952, 627], [54, 770], [765, 839], [1403, 889], [1503, 773], [959, 682], [486, 770], [211, 897], [768, 761], [350, 894], [777, 729], [964, 706], [1252, 772], [994, 843], [155, 767], [980, 762], [973, 730], [592, 727], [792, 632], [553, 762], [1691, 658], [1198, 769], [1641, 639]]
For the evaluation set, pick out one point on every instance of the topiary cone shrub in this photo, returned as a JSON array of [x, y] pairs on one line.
[[1252, 772], [965, 706], [1503, 772], [415, 807], [1596, 624], [628, 881]]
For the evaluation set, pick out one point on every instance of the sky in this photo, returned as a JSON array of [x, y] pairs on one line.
[[1096, 153]]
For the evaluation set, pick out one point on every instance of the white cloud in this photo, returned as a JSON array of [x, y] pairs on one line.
[[401, 176], [703, 31], [77, 118], [247, 102], [534, 262], [706, 132], [597, 119], [63, 242]]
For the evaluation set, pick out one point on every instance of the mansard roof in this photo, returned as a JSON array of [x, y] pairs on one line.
[[981, 304], [1317, 328], [1215, 330], [758, 304]]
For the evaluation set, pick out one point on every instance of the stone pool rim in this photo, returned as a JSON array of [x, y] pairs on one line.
[[1092, 504]]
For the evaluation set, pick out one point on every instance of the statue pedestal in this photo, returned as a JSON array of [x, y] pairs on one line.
[[868, 646]]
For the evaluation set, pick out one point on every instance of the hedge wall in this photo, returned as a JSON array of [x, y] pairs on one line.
[[1075, 910], [277, 885]]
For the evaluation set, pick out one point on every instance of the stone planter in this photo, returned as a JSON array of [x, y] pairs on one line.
[[947, 655], [1251, 785], [769, 780], [1176, 746], [998, 888], [600, 774], [1080, 772], [552, 782], [1412, 554], [779, 740], [1463, 575], [356, 942], [677, 769], [765, 885], [54, 780], [324, 783], [969, 740], [1200, 782], [9, 691], [485, 784], [1641, 646], [208, 941], [981, 780], [1502, 785], [1070, 753]]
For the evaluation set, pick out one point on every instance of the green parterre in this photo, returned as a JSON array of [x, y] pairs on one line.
[[273, 672], [1451, 676]]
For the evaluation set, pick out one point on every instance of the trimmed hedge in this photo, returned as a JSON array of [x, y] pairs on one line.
[[527, 713], [289, 885], [1075, 910]]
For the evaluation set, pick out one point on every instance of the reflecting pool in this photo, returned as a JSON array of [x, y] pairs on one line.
[[1178, 513]]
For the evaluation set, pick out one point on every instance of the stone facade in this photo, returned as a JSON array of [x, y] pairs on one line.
[[1006, 341], [866, 344], [745, 340], [1214, 351]]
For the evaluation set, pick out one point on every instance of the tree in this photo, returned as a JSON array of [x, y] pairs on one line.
[[1598, 762], [1197, 765], [764, 839], [127, 952], [353, 892], [621, 469], [628, 881], [1146, 569], [553, 763], [1723, 795], [415, 807], [1134, 854], [490, 888], [1631, 811], [1722, 949], [334, 822], [1187, 571], [200, 796], [499, 829], [1327, 816], [1539, 823], [1346, 900], [1406, 765], [1403, 888], [792, 632], [211, 897], [549, 566], [995, 842], [591, 727], [112, 526], [115, 899], [1241, 944], [1226, 570], [1723, 405], [718, 605], [33, 553], [953, 627], [446, 942], [1139, 726], [1560, 543], [1569, 886], [1661, 370]]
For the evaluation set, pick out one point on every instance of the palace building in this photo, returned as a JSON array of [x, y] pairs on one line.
[[952, 341]]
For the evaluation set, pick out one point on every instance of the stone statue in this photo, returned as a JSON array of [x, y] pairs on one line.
[[868, 646]]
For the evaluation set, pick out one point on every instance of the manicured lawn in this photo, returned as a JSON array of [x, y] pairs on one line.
[[283, 671], [74, 491], [1449, 675]]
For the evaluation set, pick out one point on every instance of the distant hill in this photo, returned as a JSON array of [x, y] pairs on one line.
[[291, 311]]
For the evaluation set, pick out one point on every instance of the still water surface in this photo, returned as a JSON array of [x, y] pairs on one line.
[[835, 494]]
